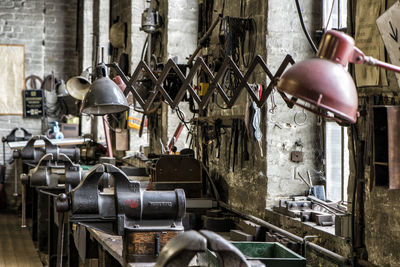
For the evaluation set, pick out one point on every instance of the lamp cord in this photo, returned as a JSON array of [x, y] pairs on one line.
[[303, 26]]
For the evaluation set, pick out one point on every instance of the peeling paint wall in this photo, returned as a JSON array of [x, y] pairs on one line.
[[288, 126], [242, 184]]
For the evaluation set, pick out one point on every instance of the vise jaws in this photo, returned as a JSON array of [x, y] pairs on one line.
[[107, 200], [33, 154]]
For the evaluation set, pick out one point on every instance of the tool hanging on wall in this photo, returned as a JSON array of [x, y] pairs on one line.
[[257, 121]]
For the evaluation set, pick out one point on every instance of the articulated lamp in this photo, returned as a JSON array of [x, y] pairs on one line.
[[324, 83], [104, 95]]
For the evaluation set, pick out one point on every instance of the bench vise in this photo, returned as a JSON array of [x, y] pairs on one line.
[[33, 154], [52, 171], [107, 200]]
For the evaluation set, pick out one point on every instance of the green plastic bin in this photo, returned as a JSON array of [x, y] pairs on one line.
[[272, 254]]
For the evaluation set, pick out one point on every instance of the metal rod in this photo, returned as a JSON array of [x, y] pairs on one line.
[[149, 49], [107, 134], [15, 194], [60, 247], [23, 215], [387, 66], [323, 251]]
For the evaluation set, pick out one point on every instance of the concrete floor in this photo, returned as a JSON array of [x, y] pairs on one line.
[[16, 246]]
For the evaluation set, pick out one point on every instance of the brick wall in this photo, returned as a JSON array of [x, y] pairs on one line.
[[47, 29], [285, 36]]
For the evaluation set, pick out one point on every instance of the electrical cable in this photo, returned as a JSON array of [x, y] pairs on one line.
[[144, 48], [330, 14], [303, 26], [251, 36]]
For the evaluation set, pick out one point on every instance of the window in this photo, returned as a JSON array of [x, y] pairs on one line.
[[337, 161], [336, 139]]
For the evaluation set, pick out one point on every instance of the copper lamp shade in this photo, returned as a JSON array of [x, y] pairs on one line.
[[104, 96], [323, 82]]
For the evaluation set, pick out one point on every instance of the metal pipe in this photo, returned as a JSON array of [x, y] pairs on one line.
[[107, 134], [149, 49], [23, 212], [15, 194], [323, 251]]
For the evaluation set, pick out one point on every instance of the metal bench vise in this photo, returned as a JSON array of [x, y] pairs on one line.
[[33, 154], [107, 200], [52, 171]]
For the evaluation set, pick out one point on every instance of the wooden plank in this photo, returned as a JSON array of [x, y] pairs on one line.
[[16, 246], [111, 243]]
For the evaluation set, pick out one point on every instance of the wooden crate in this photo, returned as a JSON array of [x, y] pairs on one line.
[[143, 246]]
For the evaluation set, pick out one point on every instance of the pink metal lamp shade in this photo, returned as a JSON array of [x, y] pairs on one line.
[[323, 82]]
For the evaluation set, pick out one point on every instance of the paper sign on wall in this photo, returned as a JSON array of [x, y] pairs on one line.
[[388, 25]]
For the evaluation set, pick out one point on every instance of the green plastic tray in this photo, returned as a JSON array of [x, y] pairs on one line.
[[272, 254]]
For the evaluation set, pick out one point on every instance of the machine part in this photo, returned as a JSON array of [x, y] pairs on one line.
[[180, 250], [124, 206], [150, 20], [11, 137], [33, 154], [108, 160], [47, 173]]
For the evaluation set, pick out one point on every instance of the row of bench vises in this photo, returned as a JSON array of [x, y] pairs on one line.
[[106, 199]]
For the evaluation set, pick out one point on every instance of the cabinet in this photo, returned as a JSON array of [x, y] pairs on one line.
[[386, 149]]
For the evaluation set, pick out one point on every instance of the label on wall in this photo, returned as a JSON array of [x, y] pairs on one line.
[[33, 103], [388, 25]]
